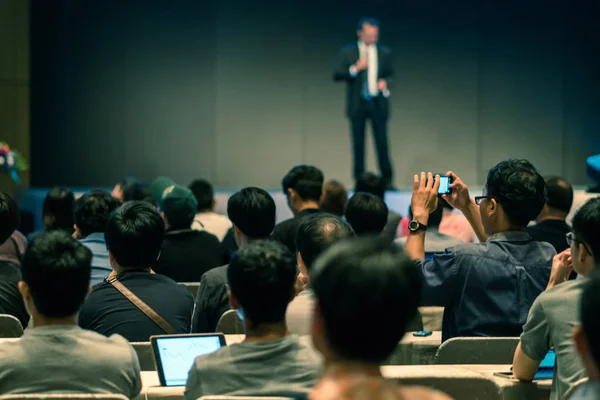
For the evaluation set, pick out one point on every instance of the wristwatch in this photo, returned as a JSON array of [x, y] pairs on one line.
[[415, 226]]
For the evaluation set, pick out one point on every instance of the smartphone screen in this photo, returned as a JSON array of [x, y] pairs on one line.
[[422, 333], [444, 185]]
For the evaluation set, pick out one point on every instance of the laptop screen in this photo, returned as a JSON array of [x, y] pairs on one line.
[[546, 368], [177, 354]]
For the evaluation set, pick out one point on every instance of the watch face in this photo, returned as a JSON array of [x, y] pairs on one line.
[[413, 226]]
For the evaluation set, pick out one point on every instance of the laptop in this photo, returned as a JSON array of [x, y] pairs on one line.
[[545, 370], [175, 354]]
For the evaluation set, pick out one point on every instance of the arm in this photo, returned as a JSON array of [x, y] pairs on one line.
[[524, 367], [460, 199], [344, 70], [471, 212], [562, 266], [386, 71], [193, 387], [136, 379], [534, 343]]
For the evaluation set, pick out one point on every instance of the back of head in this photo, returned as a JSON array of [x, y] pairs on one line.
[[358, 285], [586, 225], [10, 216], [435, 218], [56, 268], [306, 181], [179, 206], [371, 183], [92, 211], [253, 211], [137, 192], [134, 235], [158, 186], [366, 213], [588, 312], [204, 194], [560, 194], [57, 209], [317, 233], [519, 188], [261, 276], [334, 198]]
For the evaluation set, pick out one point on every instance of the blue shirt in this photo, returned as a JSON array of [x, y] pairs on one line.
[[100, 261], [487, 288]]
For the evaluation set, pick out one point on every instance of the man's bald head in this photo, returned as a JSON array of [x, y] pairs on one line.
[[560, 194]]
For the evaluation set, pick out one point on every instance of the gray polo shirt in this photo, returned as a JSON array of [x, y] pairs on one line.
[[68, 359]]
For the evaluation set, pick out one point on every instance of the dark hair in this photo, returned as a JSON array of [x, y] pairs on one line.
[[261, 276], [253, 211], [334, 198], [317, 233], [367, 21], [92, 211], [519, 188], [586, 224], [57, 268], [203, 191], [366, 213], [358, 284], [371, 183], [435, 218], [306, 180], [137, 192], [560, 194], [134, 235], [10, 217], [57, 210]]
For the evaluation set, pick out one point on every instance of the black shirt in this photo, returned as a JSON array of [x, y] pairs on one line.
[[11, 302], [107, 311], [211, 301], [552, 231], [285, 232], [187, 254]]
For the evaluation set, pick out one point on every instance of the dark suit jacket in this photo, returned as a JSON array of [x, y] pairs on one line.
[[347, 57]]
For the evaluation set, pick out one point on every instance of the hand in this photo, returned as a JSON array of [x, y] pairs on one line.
[[459, 197], [362, 64], [381, 85], [425, 196], [562, 266], [301, 282]]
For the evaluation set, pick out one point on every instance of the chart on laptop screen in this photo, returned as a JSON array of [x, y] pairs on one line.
[[177, 355]]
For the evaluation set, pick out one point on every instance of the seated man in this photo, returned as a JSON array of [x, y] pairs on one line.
[[554, 315], [315, 235], [357, 284], [376, 185], [57, 356], [486, 288], [252, 212], [206, 218], [367, 214], [90, 214], [270, 361], [334, 198], [134, 236], [186, 253]]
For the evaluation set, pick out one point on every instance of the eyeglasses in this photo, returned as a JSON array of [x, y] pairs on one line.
[[571, 238], [479, 199]]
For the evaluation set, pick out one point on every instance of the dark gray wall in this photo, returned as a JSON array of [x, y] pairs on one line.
[[238, 91]]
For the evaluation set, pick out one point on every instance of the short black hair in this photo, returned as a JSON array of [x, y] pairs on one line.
[[334, 198], [10, 217], [371, 183], [253, 211], [57, 269], [586, 224], [92, 211], [306, 180], [366, 213], [519, 188], [57, 209], [261, 276], [367, 21], [137, 191], [435, 218], [204, 193], [358, 284], [560, 194], [316, 233], [134, 235], [588, 314]]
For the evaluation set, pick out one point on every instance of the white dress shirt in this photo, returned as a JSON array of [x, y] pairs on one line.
[[370, 54]]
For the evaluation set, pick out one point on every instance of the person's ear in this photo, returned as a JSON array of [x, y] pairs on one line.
[[301, 265], [164, 217], [233, 301], [112, 260], [24, 290], [582, 253], [76, 232]]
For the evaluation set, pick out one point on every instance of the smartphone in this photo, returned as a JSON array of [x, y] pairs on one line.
[[422, 333], [445, 183]]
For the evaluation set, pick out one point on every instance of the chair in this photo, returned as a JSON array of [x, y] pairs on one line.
[[416, 324], [192, 287], [243, 398], [65, 396], [145, 355], [10, 327], [573, 388], [230, 324], [477, 350]]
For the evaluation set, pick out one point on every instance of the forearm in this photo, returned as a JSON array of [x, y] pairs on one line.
[[415, 242], [524, 367], [474, 218]]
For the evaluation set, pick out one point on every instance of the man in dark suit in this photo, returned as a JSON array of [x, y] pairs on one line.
[[366, 68]]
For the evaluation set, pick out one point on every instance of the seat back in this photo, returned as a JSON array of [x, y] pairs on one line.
[[230, 324], [10, 327], [477, 350], [192, 287], [145, 355], [65, 396]]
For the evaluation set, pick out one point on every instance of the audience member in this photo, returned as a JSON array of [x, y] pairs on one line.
[[206, 218], [551, 226], [357, 285], [367, 214], [134, 236], [90, 214], [57, 211], [252, 212], [270, 361], [137, 192], [228, 243], [186, 253], [435, 241], [554, 315], [315, 235], [57, 356], [376, 185], [13, 248], [124, 185], [456, 224], [158, 186], [334, 198], [303, 187], [486, 288]]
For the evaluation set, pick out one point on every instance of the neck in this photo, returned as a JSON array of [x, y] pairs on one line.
[[41, 320], [307, 205], [206, 210], [265, 332], [339, 367], [120, 270], [551, 217]]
